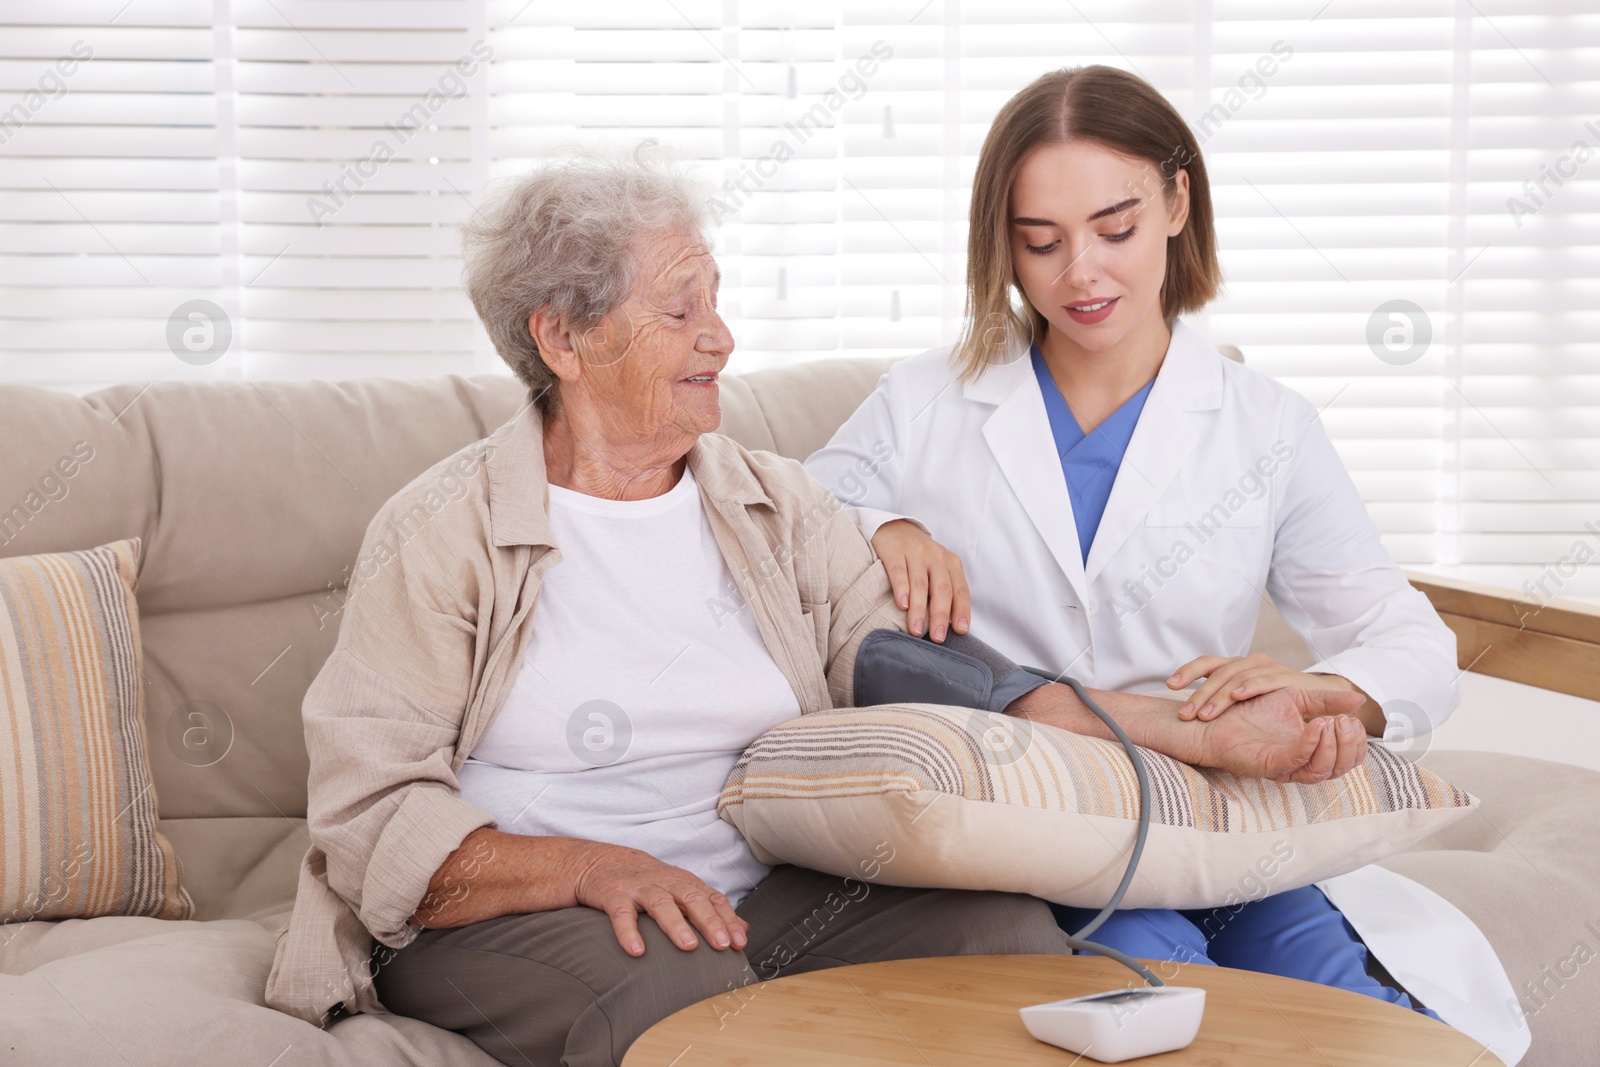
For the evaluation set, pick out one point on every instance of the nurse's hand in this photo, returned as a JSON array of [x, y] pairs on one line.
[[1230, 679], [1288, 735], [928, 582]]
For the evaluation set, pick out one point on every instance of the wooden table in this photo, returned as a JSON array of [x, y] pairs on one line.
[[963, 1010]]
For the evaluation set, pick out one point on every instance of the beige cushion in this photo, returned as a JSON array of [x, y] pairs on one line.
[[77, 805], [120, 991], [971, 800]]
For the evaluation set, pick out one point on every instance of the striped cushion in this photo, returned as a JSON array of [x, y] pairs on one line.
[[971, 800], [78, 831]]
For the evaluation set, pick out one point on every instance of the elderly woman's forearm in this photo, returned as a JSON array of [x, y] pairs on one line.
[[1148, 720], [494, 873], [1268, 736]]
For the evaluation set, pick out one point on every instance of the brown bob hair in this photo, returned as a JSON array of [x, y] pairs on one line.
[[1093, 103]]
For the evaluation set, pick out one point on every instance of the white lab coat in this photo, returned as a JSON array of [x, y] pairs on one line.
[[1229, 488]]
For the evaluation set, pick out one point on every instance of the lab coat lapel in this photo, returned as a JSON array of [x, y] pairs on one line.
[[1189, 381], [1018, 435]]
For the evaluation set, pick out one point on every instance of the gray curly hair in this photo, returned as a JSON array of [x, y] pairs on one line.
[[560, 238]]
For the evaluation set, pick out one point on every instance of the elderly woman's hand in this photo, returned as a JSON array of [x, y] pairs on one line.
[[623, 881], [1288, 735], [927, 579]]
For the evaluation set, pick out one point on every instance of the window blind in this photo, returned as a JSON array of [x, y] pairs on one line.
[[1380, 173]]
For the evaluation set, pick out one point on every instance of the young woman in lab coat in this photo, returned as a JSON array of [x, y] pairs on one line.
[[1121, 495]]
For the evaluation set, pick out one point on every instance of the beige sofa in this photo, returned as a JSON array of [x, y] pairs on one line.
[[251, 500]]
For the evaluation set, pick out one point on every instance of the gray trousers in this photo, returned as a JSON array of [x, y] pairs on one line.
[[555, 987]]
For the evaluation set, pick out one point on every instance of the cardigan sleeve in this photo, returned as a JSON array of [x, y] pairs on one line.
[[383, 717], [860, 598]]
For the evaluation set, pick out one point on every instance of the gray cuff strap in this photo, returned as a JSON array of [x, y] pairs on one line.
[[896, 668]]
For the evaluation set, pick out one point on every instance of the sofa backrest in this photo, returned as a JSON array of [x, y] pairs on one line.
[[251, 499]]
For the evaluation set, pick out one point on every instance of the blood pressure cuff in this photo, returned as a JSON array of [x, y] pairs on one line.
[[896, 668]]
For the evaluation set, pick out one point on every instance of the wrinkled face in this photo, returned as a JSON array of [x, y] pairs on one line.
[[650, 368], [1090, 225]]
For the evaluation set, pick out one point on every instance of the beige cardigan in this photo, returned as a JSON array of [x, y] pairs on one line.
[[440, 609]]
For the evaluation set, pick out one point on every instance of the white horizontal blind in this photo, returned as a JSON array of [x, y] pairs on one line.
[[1376, 163], [720, 82], [356, 135], [304, 165], [109, 193]]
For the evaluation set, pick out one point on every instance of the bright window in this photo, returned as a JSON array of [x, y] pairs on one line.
[[302, 165]]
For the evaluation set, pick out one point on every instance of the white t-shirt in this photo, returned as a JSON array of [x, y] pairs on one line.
[[638, 691]]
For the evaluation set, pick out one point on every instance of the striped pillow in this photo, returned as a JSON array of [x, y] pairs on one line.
[[972, 800], [78, 833]]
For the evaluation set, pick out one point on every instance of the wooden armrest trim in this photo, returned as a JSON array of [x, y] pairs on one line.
[[1554, 644]]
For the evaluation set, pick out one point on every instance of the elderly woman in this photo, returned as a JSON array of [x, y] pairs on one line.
[[517, 745]]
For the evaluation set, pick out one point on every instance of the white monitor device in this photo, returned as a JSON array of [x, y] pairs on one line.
[[1120, 1024]]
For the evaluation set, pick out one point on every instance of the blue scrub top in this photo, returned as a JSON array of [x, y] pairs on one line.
[[1089, 461]]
